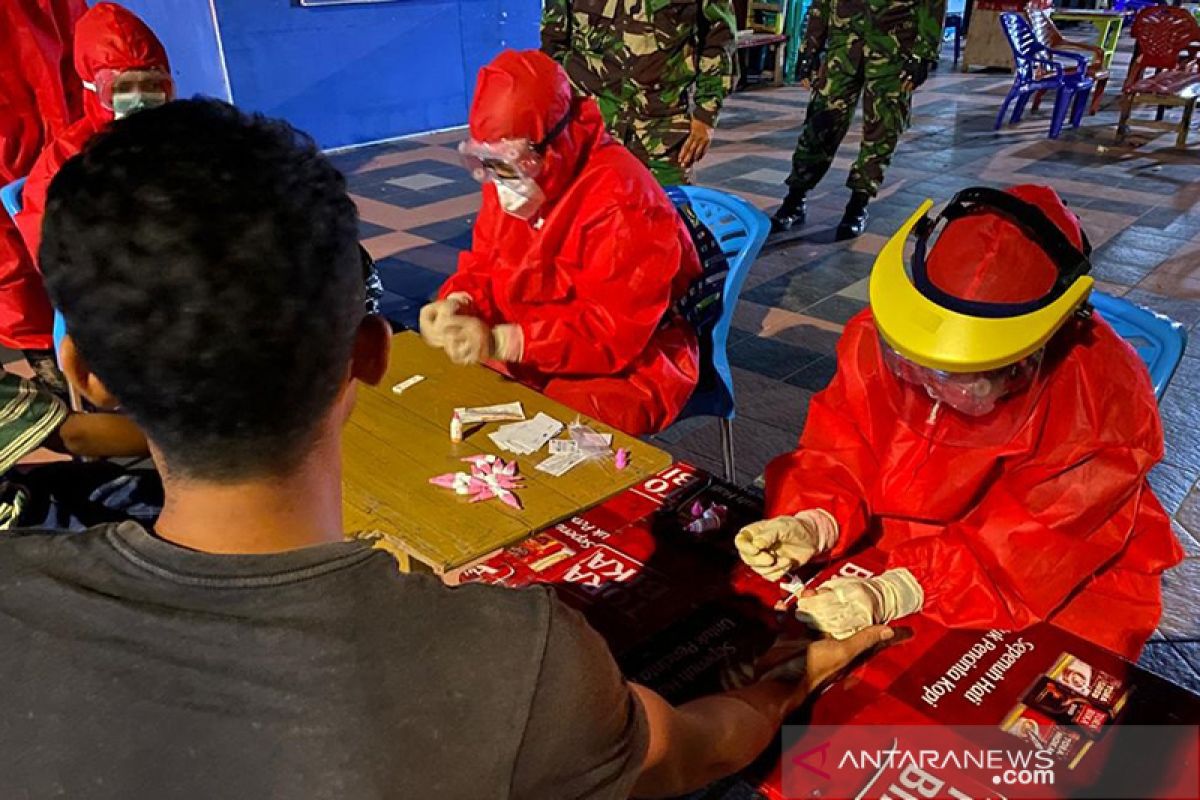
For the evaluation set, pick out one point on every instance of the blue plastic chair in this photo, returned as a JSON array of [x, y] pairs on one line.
[[1159, 340], [1037, 70], [10, 198], [1131, 7], [741, 229]]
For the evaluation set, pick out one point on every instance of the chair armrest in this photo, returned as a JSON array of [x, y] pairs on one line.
[[1097, 52], [1081, 63], [1042, 57]]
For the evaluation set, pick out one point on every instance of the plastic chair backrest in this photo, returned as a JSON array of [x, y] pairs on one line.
[[1044, 29], [1158, 340], [741, 229], [10, 198], [1162, 34], [1028, 52]]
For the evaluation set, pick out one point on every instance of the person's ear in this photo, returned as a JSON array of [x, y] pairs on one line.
[[372, 348], [80, 375]]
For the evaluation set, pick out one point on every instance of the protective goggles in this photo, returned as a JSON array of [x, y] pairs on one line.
[[934, 329], [508, 159], [110, 83]]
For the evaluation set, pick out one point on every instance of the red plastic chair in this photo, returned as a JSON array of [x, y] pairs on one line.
[[1047, 33], [1168, 37]]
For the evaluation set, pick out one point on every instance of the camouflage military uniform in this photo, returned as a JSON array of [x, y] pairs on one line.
[[869, 46], [652, 66]]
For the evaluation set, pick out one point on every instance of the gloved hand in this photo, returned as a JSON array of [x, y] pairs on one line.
[[914, 73], [437, 315], [469, 340], [843, 606], [774, 547]]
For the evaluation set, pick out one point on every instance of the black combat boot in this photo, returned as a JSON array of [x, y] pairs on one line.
[[854, 220], [790, 214]]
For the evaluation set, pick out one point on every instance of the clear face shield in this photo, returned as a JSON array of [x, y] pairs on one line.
[[961, 370], [126, 91], [513, 165], [981, 409]]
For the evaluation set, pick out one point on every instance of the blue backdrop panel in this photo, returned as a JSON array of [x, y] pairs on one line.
[[356, 73], [187, 31]]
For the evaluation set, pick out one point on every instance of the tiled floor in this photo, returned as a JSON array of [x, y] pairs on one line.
[[1138, 204]]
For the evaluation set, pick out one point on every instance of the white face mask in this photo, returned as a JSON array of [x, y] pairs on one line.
[[975, 398], [521, 197], [125, 104]]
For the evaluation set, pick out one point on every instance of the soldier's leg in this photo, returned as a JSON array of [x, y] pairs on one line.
[[830, 111], [657, 142], [887, 108]]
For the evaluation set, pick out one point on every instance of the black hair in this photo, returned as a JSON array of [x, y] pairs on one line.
[[207, 264]]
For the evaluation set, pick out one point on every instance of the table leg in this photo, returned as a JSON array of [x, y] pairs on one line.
[[1126, 110], [1109, 39], [780, 60], [1185, 124]]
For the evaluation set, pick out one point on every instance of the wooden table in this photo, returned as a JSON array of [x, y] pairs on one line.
[[1108, 26], [394, 443]]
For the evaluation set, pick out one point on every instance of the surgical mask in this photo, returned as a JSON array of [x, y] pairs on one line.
[[974, 396], [125, 104], [521, 197]]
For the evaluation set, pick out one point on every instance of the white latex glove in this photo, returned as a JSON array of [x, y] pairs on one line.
[[843, 606], [775, 547], [437, 315], [469, 340]]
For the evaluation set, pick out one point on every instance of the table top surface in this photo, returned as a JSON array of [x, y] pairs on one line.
[[393, 445], [1088, 13]]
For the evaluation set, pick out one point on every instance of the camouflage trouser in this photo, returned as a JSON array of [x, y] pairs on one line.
[[656, 141], [849, 70]]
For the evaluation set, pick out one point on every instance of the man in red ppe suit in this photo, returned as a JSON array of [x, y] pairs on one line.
[[577, 259], [37, 102], [124, 68], [987, 434]]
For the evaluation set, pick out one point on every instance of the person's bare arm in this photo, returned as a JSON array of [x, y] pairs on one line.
[[711, 737]]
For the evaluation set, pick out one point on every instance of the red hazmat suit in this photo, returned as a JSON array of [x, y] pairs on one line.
[[1058, 523], [37, 101], [590, 281], [106, 37]]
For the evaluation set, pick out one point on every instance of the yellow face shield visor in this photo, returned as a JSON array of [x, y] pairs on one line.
[[983, 337]]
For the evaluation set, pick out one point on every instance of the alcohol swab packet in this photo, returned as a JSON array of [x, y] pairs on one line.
[[526, 438], [590, 442], [560, 464]]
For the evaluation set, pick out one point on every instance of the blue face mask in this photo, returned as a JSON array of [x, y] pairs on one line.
[[126, 104]]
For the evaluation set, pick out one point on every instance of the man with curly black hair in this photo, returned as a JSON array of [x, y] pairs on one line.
[[207, 266]]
